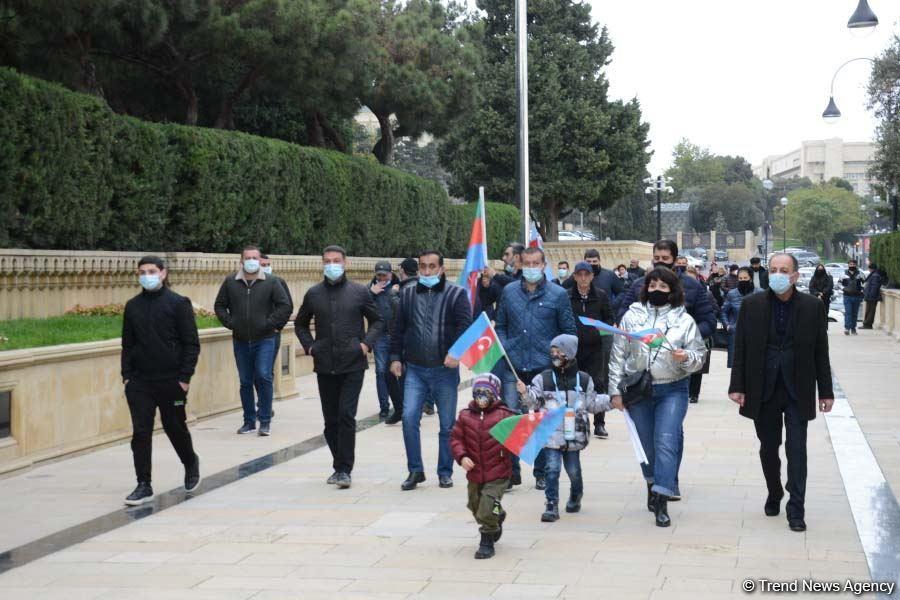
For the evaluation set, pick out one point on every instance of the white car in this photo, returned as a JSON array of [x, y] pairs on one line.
[[569, 236], [695, 262]]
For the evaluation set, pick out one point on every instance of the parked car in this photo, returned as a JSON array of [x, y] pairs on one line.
[[569, 236], [721, 255], [806, 274], [586, 235], [806, 259]]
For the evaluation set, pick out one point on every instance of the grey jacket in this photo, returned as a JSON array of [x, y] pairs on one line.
[[586, 401], [629, 357]]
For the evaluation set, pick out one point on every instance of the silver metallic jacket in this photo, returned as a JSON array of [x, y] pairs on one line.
[[681, 331]]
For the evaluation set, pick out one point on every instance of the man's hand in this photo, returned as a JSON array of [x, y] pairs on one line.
[[680, 355], [376, 288], [617, 402], [364, 348], [397, 369], [737, 398], [521, 388], [184, 386], [467, 463], [450, 362], [825, 404]]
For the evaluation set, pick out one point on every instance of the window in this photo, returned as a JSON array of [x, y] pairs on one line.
[[286, 360], [5, 402]]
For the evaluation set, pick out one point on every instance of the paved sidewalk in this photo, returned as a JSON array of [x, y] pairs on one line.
[[283, 533]]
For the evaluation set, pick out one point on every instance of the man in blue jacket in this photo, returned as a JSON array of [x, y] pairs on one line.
[[532, 312]]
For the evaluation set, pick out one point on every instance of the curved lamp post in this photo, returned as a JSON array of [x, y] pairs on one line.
[[862, 18], [832, 113]]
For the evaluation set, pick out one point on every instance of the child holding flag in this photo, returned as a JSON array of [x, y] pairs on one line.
[[486, 462], [564, 386]]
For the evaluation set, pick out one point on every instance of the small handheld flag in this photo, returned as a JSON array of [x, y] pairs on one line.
[[654, 338], [525, 435], [478, 347]]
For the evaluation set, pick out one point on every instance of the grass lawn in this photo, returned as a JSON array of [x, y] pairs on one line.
[[68, 329]]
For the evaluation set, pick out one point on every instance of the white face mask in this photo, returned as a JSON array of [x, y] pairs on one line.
[[267, 270], [251, 265]]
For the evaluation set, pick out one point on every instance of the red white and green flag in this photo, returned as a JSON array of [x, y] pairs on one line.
[[478, 347], [525, 435]]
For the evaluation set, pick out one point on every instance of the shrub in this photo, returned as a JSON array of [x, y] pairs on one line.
[[886, 254], [502, 228]]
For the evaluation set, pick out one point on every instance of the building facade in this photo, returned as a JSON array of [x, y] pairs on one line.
[[820, 160]]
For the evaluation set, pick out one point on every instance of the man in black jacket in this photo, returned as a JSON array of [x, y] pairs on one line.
[[340, 353], [593, 355], [255, 308], [760, 275], [604, 279], [872, 294], [431, 316], [780, 358], [160, 347], [384, 287], [265, 265], [635, 271]]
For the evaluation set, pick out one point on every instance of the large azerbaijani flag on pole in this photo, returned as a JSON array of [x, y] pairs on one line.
[[525, 435], [476, 256], [478, 347]]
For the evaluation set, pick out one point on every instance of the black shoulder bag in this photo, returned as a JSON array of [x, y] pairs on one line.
[[638, 386]]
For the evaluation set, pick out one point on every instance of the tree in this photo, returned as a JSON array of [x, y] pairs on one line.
[[631, 217], [884, 100], [822, 214], [693, 167], [585, 151], [422, 73], [841, 183], [421, 160], [739, 206]]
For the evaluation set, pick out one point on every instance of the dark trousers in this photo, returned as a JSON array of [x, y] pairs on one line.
[[780, 410], [339, 395], [395, 390], [143, 400], [595, 362], [869, 318]]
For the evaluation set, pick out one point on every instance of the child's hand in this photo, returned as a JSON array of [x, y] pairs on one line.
[[467, 464], [521, 388], [617, 402]]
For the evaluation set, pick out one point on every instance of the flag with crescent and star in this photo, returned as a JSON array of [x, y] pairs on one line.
[[478, 347]]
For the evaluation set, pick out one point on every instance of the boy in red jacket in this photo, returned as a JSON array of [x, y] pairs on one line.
[[486, 461]]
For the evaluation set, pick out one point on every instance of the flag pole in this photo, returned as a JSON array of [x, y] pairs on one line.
[[505, 355]]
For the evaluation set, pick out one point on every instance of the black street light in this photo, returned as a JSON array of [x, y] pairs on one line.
[[832, 113], [660, 184], [862, 17]]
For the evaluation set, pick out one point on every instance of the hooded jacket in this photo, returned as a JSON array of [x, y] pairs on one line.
[[629, 357], [571, 388], [471, 438]]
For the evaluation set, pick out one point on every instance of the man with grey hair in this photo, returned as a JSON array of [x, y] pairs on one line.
[[781, 334]]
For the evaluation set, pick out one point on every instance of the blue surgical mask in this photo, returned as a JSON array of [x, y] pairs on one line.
[[779, 283], [562, 273], [150, 282], [532, 274], [251, 265], [267, 270], [333, 271], [509, 268], [429, 280]]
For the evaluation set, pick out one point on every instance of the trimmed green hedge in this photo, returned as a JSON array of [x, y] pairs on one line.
[[75, 175], [886, 254], [502, 228]]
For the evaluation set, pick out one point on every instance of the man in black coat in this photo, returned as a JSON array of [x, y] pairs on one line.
[[340, 353], [265, 265], [780, 358], [635, 271], [872, 295], [760, 275], [604, 279]]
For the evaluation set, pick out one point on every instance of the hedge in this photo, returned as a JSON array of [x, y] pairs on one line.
[[502, 228], [74, 175], [886, 254]]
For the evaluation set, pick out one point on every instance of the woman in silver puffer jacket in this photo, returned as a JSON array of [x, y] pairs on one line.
[[659, 419]]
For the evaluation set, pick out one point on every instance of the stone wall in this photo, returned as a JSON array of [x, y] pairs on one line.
[[70, 398], [889, 313], [611, 253]]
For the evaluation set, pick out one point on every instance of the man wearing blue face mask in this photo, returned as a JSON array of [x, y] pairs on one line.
[[160, 347], [255, 308], [340, 352], [532, 312], [430, 317]]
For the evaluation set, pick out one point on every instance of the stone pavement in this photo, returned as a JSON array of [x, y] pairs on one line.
[[282, 533]]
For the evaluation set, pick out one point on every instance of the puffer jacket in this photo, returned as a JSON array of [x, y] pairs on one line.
[[544, 394], [872, 292], [696, 300], [629, 357], [527, 323], [471, 437], [731, 307]]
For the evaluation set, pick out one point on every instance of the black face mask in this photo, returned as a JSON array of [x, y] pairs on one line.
[[658, 298], [680, 270], [852, 269], [595, 269], [745, 287], [662, 265]]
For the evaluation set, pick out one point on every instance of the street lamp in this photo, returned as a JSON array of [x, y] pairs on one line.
[[832, 113], [784, 203], [768, 185], [862, 19], [660, 184]]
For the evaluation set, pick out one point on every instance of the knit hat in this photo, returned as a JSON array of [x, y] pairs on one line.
[[567, 344], [487, 381], [410, 266]]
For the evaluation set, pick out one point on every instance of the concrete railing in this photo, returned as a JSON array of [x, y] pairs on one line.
[[70, 398], [889, 313], [611, 253]]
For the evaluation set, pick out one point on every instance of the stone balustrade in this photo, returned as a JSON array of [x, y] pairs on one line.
[[889, 313]]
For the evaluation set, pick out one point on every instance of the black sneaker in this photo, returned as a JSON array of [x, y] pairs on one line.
[[333, 479], [264, 429], [428, 409], [342, 480], [445, 481], [142, 493], [395, 418], [574, 503], [852, 332], [694, 400], [516, 478], [246, 428], [600, 431], [192, 475], [551, 513], [540, 483], [383, 415]]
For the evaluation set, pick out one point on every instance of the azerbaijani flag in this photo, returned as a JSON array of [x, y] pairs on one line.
[[525, 435], [476, 257], [652, 337], [478, 347]]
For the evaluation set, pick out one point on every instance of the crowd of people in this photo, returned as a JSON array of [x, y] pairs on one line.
[[776, 340]]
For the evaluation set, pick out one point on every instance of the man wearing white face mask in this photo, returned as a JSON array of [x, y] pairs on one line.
[[255, 308], [160, 347], [265, 265]]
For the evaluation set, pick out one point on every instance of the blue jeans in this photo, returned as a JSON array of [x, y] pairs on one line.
[[382, 364], [440, 384], [659, 421], [730, 346], [511, 399], [554, 459], [254, 365], [851, 311]]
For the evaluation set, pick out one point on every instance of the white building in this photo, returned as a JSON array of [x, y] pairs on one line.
[[820, 160]]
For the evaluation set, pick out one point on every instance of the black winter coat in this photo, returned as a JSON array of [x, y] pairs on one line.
[[339, 310], [595, 306], [812, 367], [159, 338], [252, 310]]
